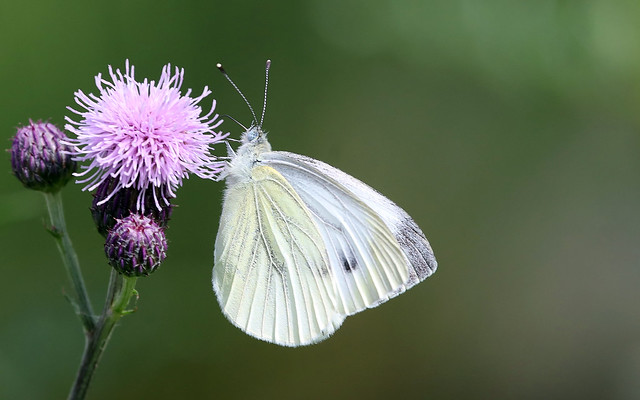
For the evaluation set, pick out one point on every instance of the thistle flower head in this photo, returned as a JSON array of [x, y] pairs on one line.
[[39, 157], [146, 135], [136, 246]]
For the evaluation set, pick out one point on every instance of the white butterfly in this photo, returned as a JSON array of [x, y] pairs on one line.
[[301, 244]]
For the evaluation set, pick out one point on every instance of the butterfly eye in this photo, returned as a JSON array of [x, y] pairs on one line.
[[252, 134]]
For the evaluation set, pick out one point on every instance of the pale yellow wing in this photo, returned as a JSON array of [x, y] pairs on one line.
[[271, 272]]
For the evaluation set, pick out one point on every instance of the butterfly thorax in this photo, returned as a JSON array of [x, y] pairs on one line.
[[254, 143]]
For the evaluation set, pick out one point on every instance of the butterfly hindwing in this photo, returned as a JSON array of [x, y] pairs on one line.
[[375, 250], [271, 272]]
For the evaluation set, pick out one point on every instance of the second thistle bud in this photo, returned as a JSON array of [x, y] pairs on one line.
[[124, 202], [136, 246], [39, 159]]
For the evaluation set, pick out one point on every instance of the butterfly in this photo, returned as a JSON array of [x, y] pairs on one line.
[[302, 245]]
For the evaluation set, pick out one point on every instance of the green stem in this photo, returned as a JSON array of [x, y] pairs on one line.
[[121, 288], [59, 230], [97, 329]]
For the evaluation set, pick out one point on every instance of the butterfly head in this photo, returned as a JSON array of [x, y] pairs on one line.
[[255, 139], [254, 144], [253, 134]]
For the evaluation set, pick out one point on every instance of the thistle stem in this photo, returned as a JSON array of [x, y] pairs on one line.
[[120, 290], [97, 329], [58, 229]]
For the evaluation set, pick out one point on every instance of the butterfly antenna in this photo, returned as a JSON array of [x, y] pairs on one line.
[[255, 119], [266, 86], [235, 120]]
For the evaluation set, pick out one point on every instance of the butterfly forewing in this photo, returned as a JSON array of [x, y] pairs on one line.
[[271, 272], [375, 249]]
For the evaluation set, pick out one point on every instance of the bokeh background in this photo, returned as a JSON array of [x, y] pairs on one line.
[[508, 130]]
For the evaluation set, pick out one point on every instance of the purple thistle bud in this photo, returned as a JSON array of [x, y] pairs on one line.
[[39, 157], [145, 135], [136, 246], [123, 203]]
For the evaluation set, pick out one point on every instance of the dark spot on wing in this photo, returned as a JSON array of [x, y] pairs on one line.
[[349, 264]]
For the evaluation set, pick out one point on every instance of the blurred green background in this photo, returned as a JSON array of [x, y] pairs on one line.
[[508, 130]]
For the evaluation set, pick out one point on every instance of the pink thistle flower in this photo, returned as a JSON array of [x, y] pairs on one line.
[[145, 135]]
